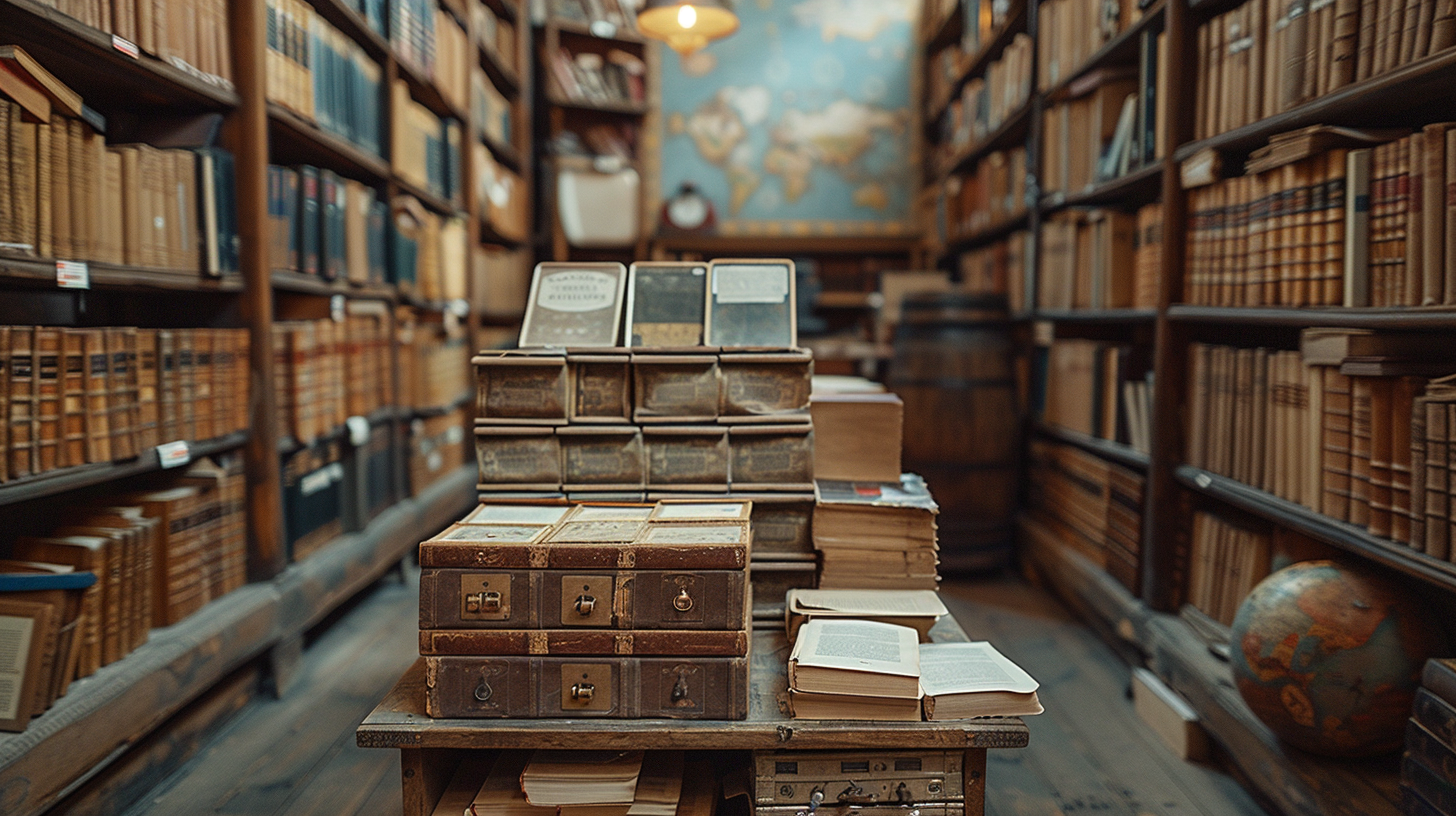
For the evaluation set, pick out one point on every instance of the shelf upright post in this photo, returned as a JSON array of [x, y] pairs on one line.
[[248, 132], [1162, 575]]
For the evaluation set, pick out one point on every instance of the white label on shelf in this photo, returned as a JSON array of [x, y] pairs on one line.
[[73, 275], [126, 47], [602, 28], [460, 306], [1202, 480], [358, 430], [174, 454], [336, 308]]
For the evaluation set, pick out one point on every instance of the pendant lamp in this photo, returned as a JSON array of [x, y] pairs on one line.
[[687, 26]]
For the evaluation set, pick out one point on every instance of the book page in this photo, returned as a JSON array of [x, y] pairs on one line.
[[867, 602], [858, 646], [15, 636], [959, 668]]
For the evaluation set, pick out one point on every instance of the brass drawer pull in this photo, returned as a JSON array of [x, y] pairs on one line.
[[683, 602], [583, 692], [478, 602], [585, 604]]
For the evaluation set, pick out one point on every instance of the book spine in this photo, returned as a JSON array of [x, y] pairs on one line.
[[48, 399]]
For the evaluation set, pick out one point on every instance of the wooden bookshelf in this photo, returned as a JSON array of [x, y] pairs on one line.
[[1112, 317], [303, 284], [960, 243], [1124, 455], [297, 140], [91, 726], [33, 272], [1010, 133], [1139, 186], [1119, 50], [1411, 318], [976, 65], [65, 480]]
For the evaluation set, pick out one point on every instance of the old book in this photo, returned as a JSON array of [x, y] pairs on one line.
[[1432, 213], [771, 457], [1443, 26], [21, 398], [675, 388], [588, 642], [148, 378], [974, 680], [1437, 501], [574, 305], [95, 373], [812, 705], [1448, 224], [1402, 402], [18, 65], [917, 609], [1417, 438], [522, 388], [493, 790], [860, 658], [1327, 346], [83, 554], [626, 599], [764, 387], [27, 625], [562, 778], [700, 688], [73, 397], [885, 515], [1362, 475], [46, 353], [665, 304]]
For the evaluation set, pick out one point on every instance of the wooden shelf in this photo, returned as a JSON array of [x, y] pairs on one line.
[[1411, 318], [779, 245], [849, 300], [977, 64], [489, 235], [505, 8], [1119, 50], [56, 482], [620, 34], [1294, 781], [947, 30], [302, 284], [42, 273], [1297, 517], [103, 714], [986, 236], [1007, 134], [355, 27], [506, 154], [1124, 455], [422, 90], [1395, 98], [297, 140], [624, 108], [107, 79], [505, 78], [1100, 316], [434, 202], [1140, 186]]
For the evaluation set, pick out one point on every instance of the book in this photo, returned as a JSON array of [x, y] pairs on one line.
[[751, 303], [581, 777], [822, 706], [499, 794], [574, 305], [857, 437], [917, 609], [963, 680], [856, 658]]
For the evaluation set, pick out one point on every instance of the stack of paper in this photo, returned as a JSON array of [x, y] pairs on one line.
[[873, 535], [583, 783], [917, 608], [557, 778]]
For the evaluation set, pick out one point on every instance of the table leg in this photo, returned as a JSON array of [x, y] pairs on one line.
[[973, 767], [426, 773]]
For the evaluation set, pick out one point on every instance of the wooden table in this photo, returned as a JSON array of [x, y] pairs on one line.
[[431, 750]]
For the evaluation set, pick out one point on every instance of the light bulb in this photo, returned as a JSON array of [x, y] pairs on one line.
[[687, 16]]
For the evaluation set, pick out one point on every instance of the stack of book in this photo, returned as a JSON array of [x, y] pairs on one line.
[[1090, 505], [583, 783], [1102, 390], [985, 102], [326, 371], [588, 611], [1228, 559], [998, 269], [1430, 743], [428, 251], [1090, 260], [65, 194], [994, 194], [89, 396], [320, 223], [1071, 31], [1297, 231], [1268, 56], [319, 74], [615, 78], [1350, 427], [873, 535], [434, 364], [157, 555], [426, 148], [849, 669]]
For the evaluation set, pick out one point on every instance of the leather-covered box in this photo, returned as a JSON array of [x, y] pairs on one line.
[[480, 546], [687, 457], [601, 387], [518, 457], [764, 386], [522, 388], [601, 458], [771, 457], [684, 688], [675, 388], [566, 599]]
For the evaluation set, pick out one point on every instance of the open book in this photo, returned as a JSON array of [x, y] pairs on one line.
[[974, 680], [856, 657]]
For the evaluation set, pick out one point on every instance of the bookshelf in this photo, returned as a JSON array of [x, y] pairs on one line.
[[86, 734], [1145, 613], [593, 84]]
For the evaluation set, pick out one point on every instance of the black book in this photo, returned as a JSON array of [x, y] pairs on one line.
[[333, 208]]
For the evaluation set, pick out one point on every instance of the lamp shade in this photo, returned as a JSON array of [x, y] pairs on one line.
[[686, 26]]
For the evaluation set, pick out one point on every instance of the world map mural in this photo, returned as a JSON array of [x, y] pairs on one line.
[[800, 123]]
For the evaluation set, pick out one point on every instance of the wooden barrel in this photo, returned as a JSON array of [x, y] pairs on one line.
[[953, 369]]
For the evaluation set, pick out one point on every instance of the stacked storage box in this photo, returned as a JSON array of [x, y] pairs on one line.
[[588, 610], [632, 425]]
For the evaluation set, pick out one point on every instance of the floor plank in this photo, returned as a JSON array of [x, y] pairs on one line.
[[1089, 753]]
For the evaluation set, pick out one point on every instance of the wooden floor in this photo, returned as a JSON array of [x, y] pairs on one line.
[[1089, 753]]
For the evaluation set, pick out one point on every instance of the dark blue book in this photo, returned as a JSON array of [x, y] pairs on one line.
[[37, 581], [308, 220]]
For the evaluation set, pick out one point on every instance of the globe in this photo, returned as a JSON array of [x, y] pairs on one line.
[[1329, 657]]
